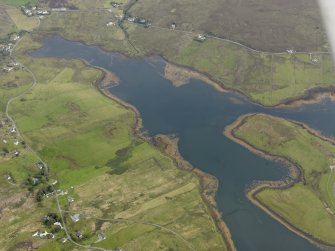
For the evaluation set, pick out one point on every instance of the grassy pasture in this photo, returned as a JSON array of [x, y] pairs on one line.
[[18, 2], [265, 78], [308, 206], [81, 4], [21, 21], [89, 27], [89, 4], [88, 142], [7, 26], [12, 84]]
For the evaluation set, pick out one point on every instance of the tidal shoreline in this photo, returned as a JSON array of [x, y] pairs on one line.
[[311, 96], [102, 85], [295, 176], [208, 183]]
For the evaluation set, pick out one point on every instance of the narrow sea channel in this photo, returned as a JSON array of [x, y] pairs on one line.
[[198, 113]]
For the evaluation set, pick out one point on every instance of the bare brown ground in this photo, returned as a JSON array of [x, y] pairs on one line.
[[109, 77], [180, 76], [313, 99], [267, 25]]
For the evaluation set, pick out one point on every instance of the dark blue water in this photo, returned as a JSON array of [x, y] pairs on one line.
[[198, 113]]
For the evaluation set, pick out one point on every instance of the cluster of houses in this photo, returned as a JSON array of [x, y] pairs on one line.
[[101, 237], [44, 234], [116, 5], [6, 48], [315, 60], [5, 140], [12, 66], [8, 177], [40, 165], [16, 141], [119, 17], [14, 36], [34, 11], [70, 199], [111, 24], [139, 20], [75, 218], [290, 51], [200, 38]]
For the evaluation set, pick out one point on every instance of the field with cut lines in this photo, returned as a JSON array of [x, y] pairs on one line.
[[121, 185]]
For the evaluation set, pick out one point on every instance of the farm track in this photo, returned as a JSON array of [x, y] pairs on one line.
[[59, 209]]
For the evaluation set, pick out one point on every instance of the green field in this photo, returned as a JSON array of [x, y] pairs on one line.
[[13, 84], [308, 205], [87, 140], [269, 79], [88, 27], [82, 4], [18, 2], [265, 78], [7, 26], [21, 21], [12, 20]]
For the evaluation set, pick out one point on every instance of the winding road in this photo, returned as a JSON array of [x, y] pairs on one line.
[[34, 83], [60, 211], [20, 136]]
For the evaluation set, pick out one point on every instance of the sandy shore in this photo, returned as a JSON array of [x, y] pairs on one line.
[[295, 173]]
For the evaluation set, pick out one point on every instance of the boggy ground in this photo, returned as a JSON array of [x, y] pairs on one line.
[[305, 204], [274, 25], [266, 78]]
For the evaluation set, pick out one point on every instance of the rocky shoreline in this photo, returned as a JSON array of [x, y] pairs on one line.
[[169, 146], [208, 184]]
